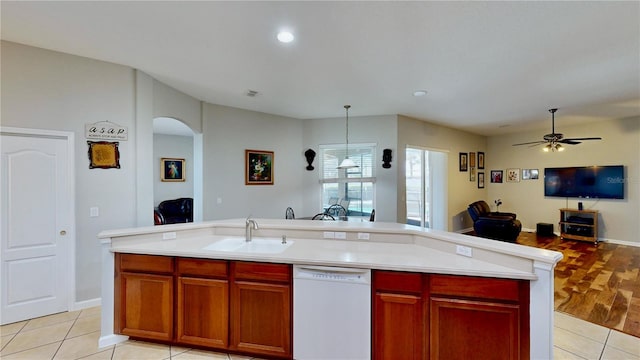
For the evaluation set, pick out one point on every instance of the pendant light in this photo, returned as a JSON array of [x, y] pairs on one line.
[[347, 163]]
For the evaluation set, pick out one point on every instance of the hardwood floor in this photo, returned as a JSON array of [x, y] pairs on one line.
[[599, 284]]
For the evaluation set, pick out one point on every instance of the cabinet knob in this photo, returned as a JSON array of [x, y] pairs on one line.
[[63, 232]]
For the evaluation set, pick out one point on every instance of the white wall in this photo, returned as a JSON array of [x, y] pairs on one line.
[[381, 130], [172, 146], [50, 90], [227, 133], [620, 145], [461, 191]]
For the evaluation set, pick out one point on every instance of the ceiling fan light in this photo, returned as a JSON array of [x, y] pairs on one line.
[[559, 147]]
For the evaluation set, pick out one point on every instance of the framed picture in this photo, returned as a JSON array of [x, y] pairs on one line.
[[496, 176], [480, 160], [513, 175], [481, 180], [258, 167], [529, 174], [472, 159], [103, 155], [463, 162], [172, 169], [472, 174]]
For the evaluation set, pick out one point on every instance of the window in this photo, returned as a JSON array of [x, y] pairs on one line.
[[353, 186]]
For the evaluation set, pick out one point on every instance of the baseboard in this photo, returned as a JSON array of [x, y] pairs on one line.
[[620, 242], [464, 231], [85, 304], [111, 339]]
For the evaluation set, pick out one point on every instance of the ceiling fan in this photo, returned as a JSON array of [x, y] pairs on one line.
[[555, 140]]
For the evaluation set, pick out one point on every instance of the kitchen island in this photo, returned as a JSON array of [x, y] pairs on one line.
[[432, 264]]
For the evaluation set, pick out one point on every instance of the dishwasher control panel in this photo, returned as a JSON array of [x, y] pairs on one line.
[[333, 274]]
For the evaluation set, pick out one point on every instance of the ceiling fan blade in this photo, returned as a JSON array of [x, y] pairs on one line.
[[569, 141], [587, 138], [530, 143]]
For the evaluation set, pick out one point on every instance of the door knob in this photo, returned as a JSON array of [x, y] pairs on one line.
[[63, 233]]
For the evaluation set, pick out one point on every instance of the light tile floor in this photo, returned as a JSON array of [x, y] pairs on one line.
[[74, 335]]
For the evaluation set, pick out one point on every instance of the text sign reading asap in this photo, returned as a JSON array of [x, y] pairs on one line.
[[106, 130]]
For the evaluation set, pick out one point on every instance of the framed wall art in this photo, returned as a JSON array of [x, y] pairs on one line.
[[496, 176], [463, 162], [472, 159], [172, 169], [103, 155], [481, 180], [258, 167], [513, 175], [530, 174], [480, 160], [472, 174]]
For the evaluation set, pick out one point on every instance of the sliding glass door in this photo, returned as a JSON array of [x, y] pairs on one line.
[[426, 188]]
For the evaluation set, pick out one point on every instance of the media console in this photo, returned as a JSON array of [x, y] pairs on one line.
[[579, 225]]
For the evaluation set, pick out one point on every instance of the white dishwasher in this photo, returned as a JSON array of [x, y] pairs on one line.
[[331, 313]]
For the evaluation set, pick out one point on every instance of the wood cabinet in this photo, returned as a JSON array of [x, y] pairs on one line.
[[579, 225], [261, 308], [399, 322], [144, 297], [422, 316], [482, 318], [203, 303], [243, 307]]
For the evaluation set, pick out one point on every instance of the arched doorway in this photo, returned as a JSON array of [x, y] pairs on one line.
[[176, 143]]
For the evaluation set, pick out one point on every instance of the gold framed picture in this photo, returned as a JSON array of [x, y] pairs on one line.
[[258, 167], [172, 169], [103, 155]]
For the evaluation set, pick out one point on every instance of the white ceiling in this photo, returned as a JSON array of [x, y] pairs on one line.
[[489, 67]]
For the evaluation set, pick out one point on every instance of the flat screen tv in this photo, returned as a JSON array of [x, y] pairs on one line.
[[597, 182]]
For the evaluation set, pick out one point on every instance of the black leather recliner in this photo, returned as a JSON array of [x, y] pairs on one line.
[[174, 211], [494, 225]]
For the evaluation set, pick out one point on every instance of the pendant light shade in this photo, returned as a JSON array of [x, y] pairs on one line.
[[347, 163]]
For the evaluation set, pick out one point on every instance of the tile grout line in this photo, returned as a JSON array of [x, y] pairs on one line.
[[605, 344]]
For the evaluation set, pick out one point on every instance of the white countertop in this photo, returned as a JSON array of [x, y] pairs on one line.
[[391, 246]]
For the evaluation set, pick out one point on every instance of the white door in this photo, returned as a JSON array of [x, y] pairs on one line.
[[36, 226]]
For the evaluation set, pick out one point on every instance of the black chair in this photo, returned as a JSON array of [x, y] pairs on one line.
[[337, 211], [322, 216], [288, 214], [175, 211], [494, 225]]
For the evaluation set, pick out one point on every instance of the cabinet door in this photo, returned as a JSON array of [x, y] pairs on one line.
[[203, 312], [261, 318], [146, 306], [468, 329], [397, 326]]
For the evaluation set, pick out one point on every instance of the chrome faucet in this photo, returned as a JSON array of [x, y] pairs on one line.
[[249, 225]]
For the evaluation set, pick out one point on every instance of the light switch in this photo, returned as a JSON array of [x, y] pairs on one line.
[[93, 212]]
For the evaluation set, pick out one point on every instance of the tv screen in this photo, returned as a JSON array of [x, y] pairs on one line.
[[598, 182]]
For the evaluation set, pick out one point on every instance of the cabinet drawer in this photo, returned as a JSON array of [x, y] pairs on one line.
[[202, 268], [396, 281], [261, 271], [475, 287], [146, 263]]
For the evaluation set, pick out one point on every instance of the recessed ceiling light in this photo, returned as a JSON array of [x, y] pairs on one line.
[[285, 37], [420, 93]]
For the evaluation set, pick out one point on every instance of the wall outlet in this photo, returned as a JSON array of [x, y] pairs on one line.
[[94, 211], [169, 235], [340, 235], [363, 236], [329, 235], [464, 250]]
